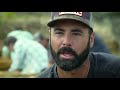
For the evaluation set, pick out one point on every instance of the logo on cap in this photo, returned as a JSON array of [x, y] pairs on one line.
[[74, 13]]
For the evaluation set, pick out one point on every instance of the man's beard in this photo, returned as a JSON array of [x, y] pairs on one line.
[[71, 64]]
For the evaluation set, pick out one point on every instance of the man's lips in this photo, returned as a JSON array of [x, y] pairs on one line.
[[66, 55]]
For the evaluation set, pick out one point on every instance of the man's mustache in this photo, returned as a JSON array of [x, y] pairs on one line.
[[66, 49]]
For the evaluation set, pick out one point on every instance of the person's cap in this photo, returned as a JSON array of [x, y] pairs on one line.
[[84, 17]]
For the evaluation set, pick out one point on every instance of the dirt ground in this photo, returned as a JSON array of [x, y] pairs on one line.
[[4, 66]]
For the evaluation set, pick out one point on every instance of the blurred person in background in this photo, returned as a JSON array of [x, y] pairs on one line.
[[30, 56], [19, 34], [5, 53], [39, 37], [99, 45], [5, 50]]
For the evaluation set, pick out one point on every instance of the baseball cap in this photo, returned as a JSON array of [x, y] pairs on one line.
[[84, 17]]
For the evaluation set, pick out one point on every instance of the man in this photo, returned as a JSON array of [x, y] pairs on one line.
[[39, 37], [71, 37], [30, 56], [18, 34]]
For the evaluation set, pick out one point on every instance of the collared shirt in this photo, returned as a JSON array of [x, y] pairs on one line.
[[29, 56]]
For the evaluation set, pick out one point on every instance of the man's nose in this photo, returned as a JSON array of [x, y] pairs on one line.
[[67, 41]]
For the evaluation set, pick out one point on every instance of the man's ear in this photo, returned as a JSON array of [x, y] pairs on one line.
[[49, 33], [49, 29], [92, 36]]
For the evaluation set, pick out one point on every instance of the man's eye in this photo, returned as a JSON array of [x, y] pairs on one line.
[[58, 33], [76, 34]]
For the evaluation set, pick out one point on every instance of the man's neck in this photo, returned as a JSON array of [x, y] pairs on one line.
[[81, 72]]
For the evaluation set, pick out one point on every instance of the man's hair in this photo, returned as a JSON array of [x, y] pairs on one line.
[[90, 31], [10, 40], [39, 36]]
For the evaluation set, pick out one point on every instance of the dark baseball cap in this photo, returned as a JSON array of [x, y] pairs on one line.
[[84, 17]]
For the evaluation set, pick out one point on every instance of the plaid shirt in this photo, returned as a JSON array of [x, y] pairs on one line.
[[29, 56]]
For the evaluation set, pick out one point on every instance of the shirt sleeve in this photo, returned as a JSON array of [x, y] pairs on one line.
[[37, 61], [15, 62], [18, 57]]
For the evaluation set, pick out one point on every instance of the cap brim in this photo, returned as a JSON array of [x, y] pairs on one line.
[[67, 17]]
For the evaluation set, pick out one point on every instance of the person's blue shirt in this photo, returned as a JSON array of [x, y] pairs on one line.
[[99, 45]]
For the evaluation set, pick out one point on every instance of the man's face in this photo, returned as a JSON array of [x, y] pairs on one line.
[[70, 44], [44, 42], [11, 47]]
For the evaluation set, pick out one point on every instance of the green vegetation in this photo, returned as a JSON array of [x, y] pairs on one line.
[[108, 28]]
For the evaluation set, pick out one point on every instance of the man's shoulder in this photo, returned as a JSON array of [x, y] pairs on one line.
[[105, 57], [44, 74], [47, 73], [106, 62]]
